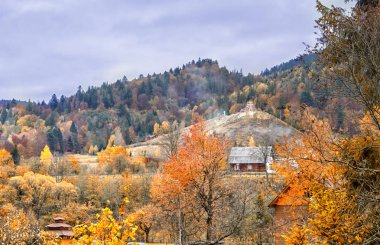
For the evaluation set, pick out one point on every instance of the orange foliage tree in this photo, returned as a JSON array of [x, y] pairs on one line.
[[145, 219], [114, 158], [6, 165], [193, 183], [5, 157], [313, 167], [73, 164]]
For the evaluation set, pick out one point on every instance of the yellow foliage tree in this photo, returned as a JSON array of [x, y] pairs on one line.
[[251, 142], [46, 157], [6, 165], [17, 228], [106, 231], [91, 150], [5, 158], [156, 129], [39, 193], [287, 113], [109, 155], [111, 140], [165, 127], [114, 158]]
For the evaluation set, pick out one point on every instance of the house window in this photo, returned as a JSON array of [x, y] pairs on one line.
[[249, 167], [236, 167]]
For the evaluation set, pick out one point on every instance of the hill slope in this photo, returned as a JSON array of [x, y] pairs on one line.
[[237, 128], [130, 109]]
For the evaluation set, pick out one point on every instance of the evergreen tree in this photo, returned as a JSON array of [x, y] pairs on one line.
[[70, 144], [128, 97], [142, 89], [13, 103], [61, 104], [50, 139], [53, 103], [58, 139], [15, 155], [50, 121], [73, 128], [307, 99], [339, 117], [29, 107], [3, 115], [127, 137]]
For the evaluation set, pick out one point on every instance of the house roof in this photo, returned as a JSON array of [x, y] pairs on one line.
[[289, 197], [240, 155], [58, 225], [58, 219], [273, 203]]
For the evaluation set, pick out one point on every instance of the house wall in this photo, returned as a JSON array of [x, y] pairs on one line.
[[244, 167], [284, 218]]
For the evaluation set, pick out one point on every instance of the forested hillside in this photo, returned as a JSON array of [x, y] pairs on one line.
[[130, 109]]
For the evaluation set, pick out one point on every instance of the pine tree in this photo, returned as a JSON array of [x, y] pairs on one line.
[[15, 155], [53, 103], [3, 115], [73, 128]]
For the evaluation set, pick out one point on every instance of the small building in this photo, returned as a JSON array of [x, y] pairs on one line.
[[251, 159], [61, 229], [290, 208]]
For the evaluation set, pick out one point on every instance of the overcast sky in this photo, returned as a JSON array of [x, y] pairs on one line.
[[53, 46]]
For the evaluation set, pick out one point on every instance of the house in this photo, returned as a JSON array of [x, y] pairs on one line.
[[251, 159], [61, 229], [290, 208]]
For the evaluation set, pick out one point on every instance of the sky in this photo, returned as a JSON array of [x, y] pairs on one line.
[[53, 46]]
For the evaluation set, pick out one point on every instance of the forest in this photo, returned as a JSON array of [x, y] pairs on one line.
[[72, 156]]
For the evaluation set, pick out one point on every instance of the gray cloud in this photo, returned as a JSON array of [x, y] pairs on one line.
[[50, 46]]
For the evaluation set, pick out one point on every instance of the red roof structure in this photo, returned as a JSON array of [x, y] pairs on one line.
[[60, 228], [290, 208]]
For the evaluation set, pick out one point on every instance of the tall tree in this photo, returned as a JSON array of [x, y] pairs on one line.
[[351, 52], [314, 168], [193, 183]]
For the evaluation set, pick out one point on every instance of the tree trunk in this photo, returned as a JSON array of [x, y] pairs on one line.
[[147, 231], [179, 222], [209, 227]]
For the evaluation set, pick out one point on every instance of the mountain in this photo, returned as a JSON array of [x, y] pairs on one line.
[[131, 108]]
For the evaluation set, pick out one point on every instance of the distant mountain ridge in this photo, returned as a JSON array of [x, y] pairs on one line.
[[306, 59]]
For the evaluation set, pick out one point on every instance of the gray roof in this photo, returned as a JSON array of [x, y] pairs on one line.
[[249, 154]]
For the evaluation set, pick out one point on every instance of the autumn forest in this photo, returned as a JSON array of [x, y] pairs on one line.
[[159, 159]]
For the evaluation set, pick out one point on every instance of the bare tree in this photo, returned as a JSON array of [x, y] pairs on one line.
[[171, 139]]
